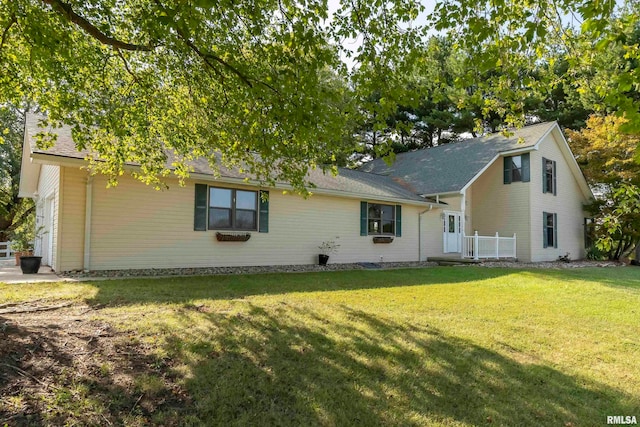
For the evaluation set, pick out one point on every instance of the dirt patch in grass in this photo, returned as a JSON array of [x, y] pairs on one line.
[[62, 367]]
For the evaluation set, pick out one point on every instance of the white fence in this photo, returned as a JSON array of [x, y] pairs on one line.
[[5, 250], [477, 247]]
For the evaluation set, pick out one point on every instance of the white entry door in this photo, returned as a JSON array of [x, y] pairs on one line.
[[452, 232]]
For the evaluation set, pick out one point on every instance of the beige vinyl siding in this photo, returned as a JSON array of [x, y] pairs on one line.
[[48, 187], [567, 204], [72, 202], [135, 226], [468, 213], [502, 208], [432, 228], [432, 235]]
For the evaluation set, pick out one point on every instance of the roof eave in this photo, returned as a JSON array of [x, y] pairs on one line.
[[516, 151], [445, 193], [317, 190], [575, 168], [52, 159], [512, 152], [29, 170], [476, 176]]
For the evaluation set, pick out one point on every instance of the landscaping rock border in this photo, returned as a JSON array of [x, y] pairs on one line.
[[305, 268], [206, 271], [550, 264]]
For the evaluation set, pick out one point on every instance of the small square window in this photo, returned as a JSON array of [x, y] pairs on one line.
[[220, 198], [245, 219], [219, 218], [246, 200], [516, 168]]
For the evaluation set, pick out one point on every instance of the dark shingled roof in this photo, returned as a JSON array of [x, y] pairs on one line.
[[64, 145], [347, 180], [356, 182], [449, 167]]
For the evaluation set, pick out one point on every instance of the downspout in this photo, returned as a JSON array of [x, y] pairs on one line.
[[420, 232], [88, 203]]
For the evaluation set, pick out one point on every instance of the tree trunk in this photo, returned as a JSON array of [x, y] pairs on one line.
[[616, 253]]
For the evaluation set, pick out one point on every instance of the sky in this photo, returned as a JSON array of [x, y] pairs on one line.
[[352, 44]]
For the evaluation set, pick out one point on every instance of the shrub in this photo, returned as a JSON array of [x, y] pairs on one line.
[[596, 254]]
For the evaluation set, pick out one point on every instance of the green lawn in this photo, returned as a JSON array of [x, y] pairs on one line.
[[437, 346]]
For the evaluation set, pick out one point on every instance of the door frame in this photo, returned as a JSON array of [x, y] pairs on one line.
[[445, 231]]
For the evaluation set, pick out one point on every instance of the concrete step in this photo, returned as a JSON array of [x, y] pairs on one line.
[[454, 260]]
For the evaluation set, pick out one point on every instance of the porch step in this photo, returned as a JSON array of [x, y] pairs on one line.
[[453, 261]]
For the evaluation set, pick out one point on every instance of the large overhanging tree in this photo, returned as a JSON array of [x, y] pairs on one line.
[[263, 83], [258, 84]]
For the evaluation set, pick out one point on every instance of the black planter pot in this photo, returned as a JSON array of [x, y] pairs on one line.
[[30, 264], [322, 259]]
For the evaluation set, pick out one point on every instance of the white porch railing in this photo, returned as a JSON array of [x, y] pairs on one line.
[[477, 247], [5, 250]]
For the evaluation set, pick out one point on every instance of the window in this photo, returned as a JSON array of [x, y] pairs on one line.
[[230, 209], [376, 218], [549, 230], [548, 176], [381, 219], [516, 168]]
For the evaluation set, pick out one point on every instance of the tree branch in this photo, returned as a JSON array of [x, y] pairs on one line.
[[67, 11], [206, 57], [126, 66], [12, 21]]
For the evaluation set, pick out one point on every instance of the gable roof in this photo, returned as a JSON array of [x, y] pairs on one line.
[[448, 168], [348, 182]]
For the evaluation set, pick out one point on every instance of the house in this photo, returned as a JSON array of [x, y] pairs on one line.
[[428, 203], [528, 185]]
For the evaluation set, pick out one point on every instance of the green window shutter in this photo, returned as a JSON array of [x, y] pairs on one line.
[[554, 178], [263, 224], [545, 244], [398, 221], [363, 218], [507, 170], [555, 230], [200, 208], [526, 167], [544, 175]]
